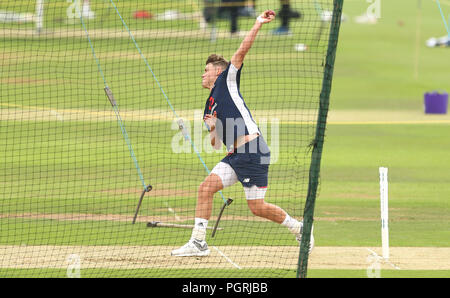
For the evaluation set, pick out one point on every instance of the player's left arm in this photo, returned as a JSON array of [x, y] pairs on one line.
[[238, 57]]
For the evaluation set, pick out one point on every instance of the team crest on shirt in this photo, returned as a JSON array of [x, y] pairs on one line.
[[211, 105]]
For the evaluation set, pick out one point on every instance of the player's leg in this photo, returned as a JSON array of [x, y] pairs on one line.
[[206, 191], [196, 246], [253, 172], [221, 176], [255, 201], [266, 210]]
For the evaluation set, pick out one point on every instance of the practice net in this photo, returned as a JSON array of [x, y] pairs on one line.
[[75, 161]]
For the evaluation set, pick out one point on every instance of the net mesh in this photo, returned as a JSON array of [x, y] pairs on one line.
[[73, 166]]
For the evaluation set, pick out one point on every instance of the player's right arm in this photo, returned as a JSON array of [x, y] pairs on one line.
[[238, 57]]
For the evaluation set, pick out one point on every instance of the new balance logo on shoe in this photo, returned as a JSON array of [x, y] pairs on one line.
[[200, 246], [194, 248]]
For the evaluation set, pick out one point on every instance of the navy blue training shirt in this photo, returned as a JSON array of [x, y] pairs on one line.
[[233, 116]]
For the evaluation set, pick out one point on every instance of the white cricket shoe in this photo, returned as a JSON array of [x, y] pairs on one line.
[[194, 248], [298, 236]]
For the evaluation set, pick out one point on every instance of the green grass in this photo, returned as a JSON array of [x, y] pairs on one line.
[[375, 65], [54, 232], [349, 189], [141, 273], [383, 274], [84, 171], [417, 194]]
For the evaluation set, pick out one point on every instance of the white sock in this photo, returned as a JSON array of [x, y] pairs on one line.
[[199, 231], [292, 224]]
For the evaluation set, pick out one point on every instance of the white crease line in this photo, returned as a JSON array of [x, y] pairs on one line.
[[227, 258], [382, 259]]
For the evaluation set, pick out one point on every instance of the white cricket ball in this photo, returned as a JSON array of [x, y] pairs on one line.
[[300, 47]]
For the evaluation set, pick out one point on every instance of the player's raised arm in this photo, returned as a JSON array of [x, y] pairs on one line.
[[238, 57]]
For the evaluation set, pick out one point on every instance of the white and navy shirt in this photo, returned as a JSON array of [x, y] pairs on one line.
[[233, 116]]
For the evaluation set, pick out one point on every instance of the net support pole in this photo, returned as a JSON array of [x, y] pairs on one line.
[[318, 141]]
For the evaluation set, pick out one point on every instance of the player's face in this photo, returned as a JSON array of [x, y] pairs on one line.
[[209, 76]]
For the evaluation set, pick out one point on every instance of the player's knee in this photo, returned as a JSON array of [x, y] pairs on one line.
[[212, 183], [208, 187], [203, 188], [256, 207]]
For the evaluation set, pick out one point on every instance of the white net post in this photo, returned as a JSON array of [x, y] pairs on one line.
[[384, 211]]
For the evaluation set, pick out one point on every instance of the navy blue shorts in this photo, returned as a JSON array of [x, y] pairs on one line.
[[251, 163]]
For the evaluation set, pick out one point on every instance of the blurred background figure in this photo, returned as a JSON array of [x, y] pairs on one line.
[[86, 10], [227, 9], [209, 14], [232, 7], [285, 15]]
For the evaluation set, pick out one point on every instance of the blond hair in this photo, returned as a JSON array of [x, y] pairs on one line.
[[217, 61]]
